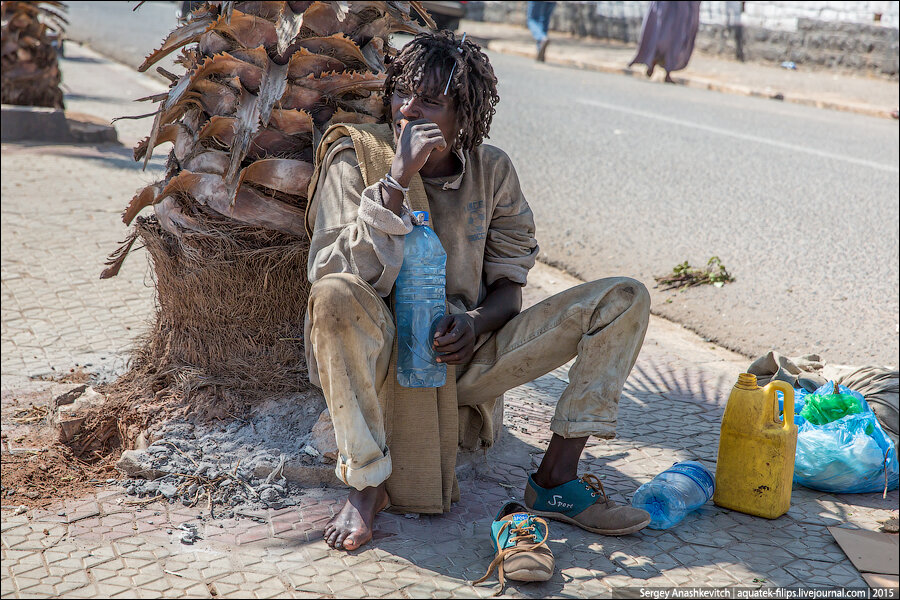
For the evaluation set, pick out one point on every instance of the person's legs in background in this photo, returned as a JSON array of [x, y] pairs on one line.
[[539, 14]]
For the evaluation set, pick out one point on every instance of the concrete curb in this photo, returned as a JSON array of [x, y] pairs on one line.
[[88, 129], [21, 123], [40, 124], [525, 50]]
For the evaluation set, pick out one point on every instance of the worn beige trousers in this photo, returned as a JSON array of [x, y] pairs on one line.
[[351, 333]]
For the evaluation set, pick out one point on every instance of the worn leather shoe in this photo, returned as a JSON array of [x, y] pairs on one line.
[[520, 540], [583, 502]]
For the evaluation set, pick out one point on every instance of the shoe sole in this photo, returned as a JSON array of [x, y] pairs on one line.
[[563, 518]]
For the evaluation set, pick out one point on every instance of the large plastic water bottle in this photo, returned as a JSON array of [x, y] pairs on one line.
[[419, 301], [680, 489]]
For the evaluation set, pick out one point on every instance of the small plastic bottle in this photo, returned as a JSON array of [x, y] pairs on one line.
[[670, 496], [419, 301]]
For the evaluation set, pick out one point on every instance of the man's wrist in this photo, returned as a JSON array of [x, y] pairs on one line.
[[392, 199], [400, 177]]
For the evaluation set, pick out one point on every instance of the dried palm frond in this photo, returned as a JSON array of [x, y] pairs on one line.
[[261, 82]]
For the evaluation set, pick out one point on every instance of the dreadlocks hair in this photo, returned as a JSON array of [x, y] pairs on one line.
[[427, 61]]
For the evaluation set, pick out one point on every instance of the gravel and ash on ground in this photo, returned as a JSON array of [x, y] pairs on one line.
[[222, 467]]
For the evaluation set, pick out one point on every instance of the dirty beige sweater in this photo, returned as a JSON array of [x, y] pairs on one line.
[[480, 216]]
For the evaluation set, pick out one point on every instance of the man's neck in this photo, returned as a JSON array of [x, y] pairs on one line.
[[444, 167]]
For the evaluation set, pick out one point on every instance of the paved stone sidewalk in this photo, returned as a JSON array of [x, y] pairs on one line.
[[822, 88], [60, 219]]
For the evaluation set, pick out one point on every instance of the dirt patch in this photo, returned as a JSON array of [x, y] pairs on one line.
[[76, 374], [234, 452], [39, 471]]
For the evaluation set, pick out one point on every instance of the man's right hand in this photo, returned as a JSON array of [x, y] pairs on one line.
[[417, 140]]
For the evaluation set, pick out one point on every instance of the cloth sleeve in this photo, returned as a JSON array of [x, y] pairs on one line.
[[353, 231], [510, 248]]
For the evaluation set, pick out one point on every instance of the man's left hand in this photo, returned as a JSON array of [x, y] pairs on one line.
[[454, 339]]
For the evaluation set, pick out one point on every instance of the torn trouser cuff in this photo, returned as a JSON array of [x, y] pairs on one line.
[[371, 474]]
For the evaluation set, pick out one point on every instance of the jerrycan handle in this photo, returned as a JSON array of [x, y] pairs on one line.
[[772, 398]]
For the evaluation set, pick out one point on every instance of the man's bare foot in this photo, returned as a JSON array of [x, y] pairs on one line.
[[669, 79], [352, 527]]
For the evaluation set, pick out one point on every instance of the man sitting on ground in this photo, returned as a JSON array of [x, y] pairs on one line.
[[487, 229]]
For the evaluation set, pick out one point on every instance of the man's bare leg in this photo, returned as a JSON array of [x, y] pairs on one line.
[[560, 462], [560, 468], [353, 526]]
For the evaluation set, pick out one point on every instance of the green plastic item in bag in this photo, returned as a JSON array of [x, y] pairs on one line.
[[825, 408]]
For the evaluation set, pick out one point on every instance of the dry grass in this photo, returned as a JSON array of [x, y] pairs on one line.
[[30, 415], [231, 301], [227, 334]]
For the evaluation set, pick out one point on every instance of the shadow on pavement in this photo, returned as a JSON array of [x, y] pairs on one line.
[[666, 414], [82, 59], [90, 98], [113, 155]]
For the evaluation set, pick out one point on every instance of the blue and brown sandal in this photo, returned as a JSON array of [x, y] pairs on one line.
[[583, 502], [520, 540]]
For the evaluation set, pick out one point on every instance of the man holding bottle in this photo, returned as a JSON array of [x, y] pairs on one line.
[[442, 94]]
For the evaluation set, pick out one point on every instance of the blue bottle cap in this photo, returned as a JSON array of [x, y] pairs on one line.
[[420, 217]]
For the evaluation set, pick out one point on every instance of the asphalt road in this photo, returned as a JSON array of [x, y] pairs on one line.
[[628, 177]]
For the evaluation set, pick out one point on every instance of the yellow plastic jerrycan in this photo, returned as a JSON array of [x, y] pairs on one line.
[[755, 467]]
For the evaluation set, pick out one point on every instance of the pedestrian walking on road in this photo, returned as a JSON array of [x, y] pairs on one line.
[[539, 14], [667, 36]]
